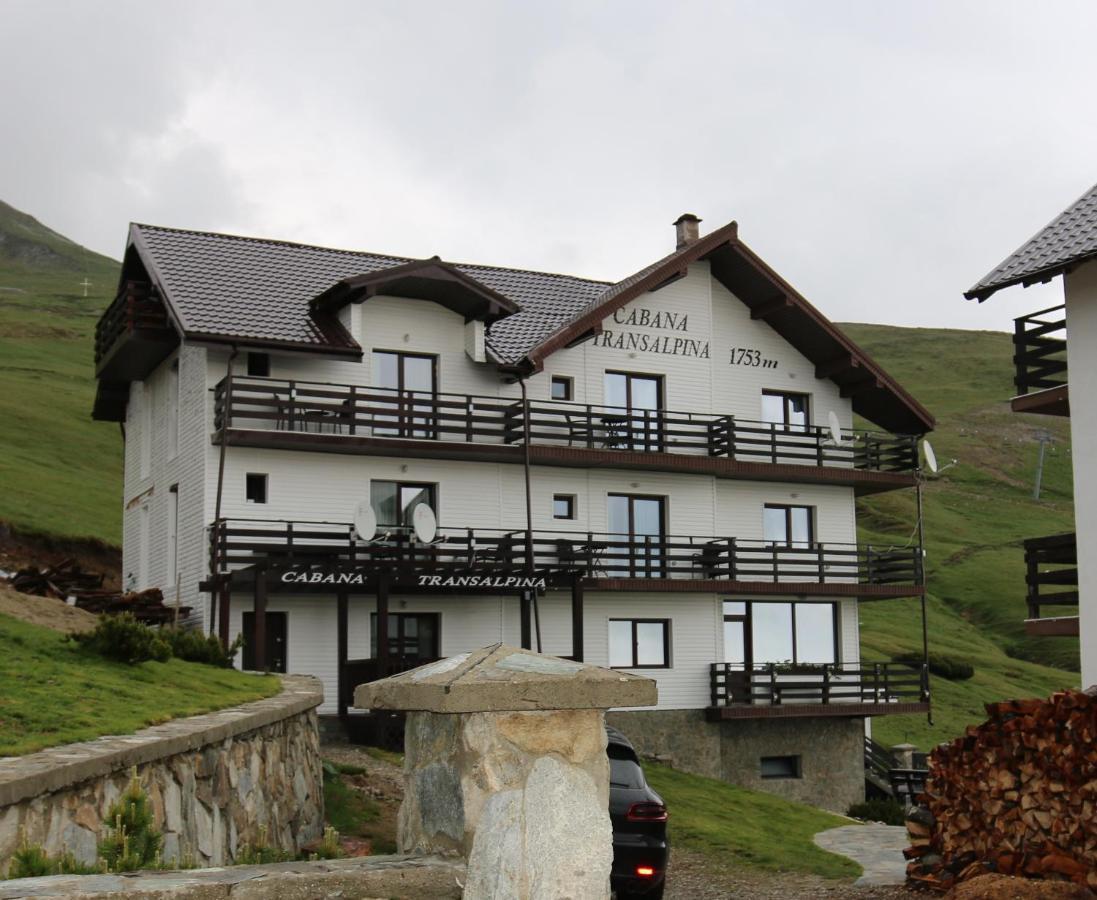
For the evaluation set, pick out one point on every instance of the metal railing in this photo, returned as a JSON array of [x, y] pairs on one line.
[[1050, 563], [246, 542], [353, 410], [1039, 359], [135, 308], [779, 683]]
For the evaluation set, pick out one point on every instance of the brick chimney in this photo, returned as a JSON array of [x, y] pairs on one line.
[[687, 228]]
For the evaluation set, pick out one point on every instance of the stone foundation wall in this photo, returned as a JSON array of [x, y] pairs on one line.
[[830, 751], [214, 781]]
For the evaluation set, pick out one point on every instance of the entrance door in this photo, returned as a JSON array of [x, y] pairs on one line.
[[737, 651], [413, 639], [276, 641], [637, 531], [639, 425], [410, 379]]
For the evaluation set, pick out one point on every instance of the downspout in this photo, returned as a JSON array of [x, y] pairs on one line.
[[529, 510], [922, 572], [214, 559]]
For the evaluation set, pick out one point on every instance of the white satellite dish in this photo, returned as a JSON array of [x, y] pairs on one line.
[[424, 523], [365, 521], [931, 457], [835, 428]]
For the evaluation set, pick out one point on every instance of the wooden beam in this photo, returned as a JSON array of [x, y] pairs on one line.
[[259, 628], [768, 307], [830, 367], [577, 619], [524, 605], [224, 595], [341, 618]]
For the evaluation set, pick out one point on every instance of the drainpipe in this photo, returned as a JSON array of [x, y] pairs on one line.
[[529, 510], [922, 572], [214, 560]]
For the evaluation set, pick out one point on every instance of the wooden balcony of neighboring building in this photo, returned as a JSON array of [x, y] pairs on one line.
[[788, 690], [338, 418], [1040, 362], [1051, 579], [326, 557]]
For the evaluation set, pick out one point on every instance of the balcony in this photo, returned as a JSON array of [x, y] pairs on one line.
[[1051, 564], [1040, 362], [322, 556], [266, 412], [787, 690]]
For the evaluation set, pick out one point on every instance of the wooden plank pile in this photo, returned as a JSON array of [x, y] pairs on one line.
[[68, 580], [1016, 795]]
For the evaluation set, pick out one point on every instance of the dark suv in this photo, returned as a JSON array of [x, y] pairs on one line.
[[639, 819]]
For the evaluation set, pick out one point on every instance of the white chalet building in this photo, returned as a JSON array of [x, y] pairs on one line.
[[639, 474]]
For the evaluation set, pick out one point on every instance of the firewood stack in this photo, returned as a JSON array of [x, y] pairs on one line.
[[1016, 795]]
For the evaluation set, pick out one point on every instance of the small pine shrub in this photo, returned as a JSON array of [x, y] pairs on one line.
[[32, 861], [329, 847], [950, 668], [131, 842], [261, 852], [888, 811], [124, 639], [194, 646]]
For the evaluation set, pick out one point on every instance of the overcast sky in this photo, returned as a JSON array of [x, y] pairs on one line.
[[882, 156]]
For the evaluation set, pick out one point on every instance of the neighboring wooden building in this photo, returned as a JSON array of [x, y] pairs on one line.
[[1058, 577], [686, 513]]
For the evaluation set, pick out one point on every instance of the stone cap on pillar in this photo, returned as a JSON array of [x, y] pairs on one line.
[[501, 679]]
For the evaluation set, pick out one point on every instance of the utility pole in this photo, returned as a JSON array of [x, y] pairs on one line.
[[1045, 438]]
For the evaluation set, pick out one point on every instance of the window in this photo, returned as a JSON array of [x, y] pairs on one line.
[[641, 519], [639, 643], [276, 642], [638, 425], [781, 767], [789, 410], [255, 487], [259, 365], [173, 540], [759, 632], [173, 410], [394, 502], [411, 379], [413, 637], [789, 526], [561, 388], [563, 506]]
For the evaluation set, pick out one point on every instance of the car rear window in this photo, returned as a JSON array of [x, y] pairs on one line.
[[625, 773]]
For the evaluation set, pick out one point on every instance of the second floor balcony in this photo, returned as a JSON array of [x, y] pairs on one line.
[[1051, 580], [133, 335], [269, 412], [324, 556], [1040, 362]]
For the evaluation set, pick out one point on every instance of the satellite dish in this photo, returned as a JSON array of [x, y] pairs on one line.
[[365, 521], [835, 428], [931, 457], [424, 523]]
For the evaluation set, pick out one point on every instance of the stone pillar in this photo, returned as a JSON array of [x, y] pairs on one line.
[[904, 755], [505, 764]]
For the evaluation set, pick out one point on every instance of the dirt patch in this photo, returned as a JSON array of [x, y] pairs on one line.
[[376, 789], [18, 550], [45, 611], [1003, 887]]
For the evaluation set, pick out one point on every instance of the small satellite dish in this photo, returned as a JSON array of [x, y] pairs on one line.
[[931, 457], [835, 428], [424, 523], [365, 521]]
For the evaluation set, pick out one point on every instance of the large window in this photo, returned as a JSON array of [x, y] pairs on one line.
[[411, 379], [394, 502], [788, 410], [788, 526], [635, 420], [637, 530], [758, 632], [413, 637], [639, 643]]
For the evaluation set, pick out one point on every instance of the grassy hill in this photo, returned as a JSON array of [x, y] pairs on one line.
[[60, 471]]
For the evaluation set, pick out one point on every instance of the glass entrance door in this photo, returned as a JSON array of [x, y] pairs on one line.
[[635, 420], [413, 639], [411, 380], [637, 526]]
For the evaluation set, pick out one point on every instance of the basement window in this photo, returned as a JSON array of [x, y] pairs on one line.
[[259, 365], [255, 488], [781, 767]]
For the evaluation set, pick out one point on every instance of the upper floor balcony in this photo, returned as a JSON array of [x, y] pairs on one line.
[[324, 556], [1051, 579], [1040, 362], [133, 335], [269, 412]]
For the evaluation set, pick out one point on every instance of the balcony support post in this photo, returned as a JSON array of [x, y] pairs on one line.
[[524, 606], [341, 624], [259, 625], [577, 618], [224, 595]]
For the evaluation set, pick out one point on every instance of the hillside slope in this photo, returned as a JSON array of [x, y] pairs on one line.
[[60, 472]]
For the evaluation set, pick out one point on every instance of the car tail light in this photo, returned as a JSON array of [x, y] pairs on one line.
[[645, 871], [647, 812]]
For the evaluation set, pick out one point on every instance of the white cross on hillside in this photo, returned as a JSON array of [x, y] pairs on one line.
[[85, 284]]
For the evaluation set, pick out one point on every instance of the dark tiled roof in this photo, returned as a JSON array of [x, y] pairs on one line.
[[1069, 238], [254, 289]]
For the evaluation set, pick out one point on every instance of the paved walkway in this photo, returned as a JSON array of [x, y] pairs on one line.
[[878, 849]]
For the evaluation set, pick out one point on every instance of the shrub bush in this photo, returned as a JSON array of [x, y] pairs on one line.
[[124, 639], [194, 646], [940, 664], [888, 811]]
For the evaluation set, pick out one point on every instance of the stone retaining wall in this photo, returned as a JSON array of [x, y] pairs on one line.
[[213, 781]]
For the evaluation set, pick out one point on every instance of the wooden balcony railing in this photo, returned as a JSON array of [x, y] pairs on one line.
[[338, 409], [1039, 358], [776, 684], [237, 543], [135, 308], [1051, 563]]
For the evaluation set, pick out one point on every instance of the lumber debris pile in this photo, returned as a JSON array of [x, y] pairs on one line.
[[67, 580], [1016, 795]]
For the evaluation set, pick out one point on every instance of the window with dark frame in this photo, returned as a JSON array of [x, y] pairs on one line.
[[259, 365], [781, 767], [635, 421], [762, 631], [639, 643], [412, 378], [255, 487], [786, 409], [412, 636], [788, 526], [563, 506], [394, 502], [561, 387]]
